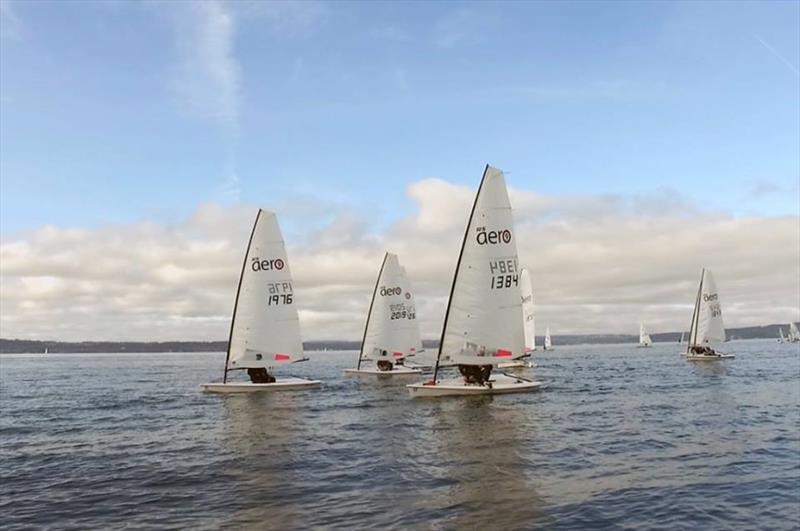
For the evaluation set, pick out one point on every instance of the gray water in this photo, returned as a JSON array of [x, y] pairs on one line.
[[622, 438]]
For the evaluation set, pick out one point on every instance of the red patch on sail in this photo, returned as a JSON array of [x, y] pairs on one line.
[[502, 354], [282, 357], [398, 354]]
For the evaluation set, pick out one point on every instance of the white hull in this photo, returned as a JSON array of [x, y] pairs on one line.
[[702, 357], [374, 371], [500, 385], [281, 384], [516, 365]]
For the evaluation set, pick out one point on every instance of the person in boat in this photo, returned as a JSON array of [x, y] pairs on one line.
[[703, 351], [475, 374], [260, 375], [384, 364]]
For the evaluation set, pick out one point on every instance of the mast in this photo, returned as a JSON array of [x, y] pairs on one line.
[[455, 274], [696, 313], [369, 312], [238, 290]]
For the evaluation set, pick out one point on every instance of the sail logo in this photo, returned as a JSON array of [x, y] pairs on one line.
[[388, 292], [493, 237], [710, 297], [267, 265]]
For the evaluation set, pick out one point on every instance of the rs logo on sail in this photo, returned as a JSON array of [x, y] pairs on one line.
[[710, 297], [266, 265], [493, 237], [388, 292]]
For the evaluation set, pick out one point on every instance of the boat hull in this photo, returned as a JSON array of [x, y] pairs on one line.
[[516, 365], [500, 386], [716, 357], [281, 384], [374, 371]]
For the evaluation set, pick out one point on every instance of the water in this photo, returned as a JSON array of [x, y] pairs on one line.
[[623, 437]]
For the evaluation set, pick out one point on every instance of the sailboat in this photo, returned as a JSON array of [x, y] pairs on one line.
[[781, 339], [707, 329], [483, 322], [794, 334], [548, 343], [528, 323], [680, 340], [391, 333], [265, 329], [644, 337]]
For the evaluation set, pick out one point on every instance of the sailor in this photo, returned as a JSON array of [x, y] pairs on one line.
[[384, 365], [475, 374], [260, 375]]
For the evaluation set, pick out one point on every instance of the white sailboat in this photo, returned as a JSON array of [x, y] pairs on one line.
[[794, 334], [265, 329], [548, 343], [781, 339], [680, 340], [391, 332], [483, 323], [707, 329], [528, 323], [644, 337]]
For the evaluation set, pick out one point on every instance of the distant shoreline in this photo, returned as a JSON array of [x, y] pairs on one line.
[[25, 346]]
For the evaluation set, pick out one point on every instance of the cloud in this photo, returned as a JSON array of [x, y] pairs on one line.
[[599, 264], [207, 75], [10, 23]]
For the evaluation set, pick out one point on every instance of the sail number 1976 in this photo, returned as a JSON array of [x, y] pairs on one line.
[[504, 273], [279, 293]]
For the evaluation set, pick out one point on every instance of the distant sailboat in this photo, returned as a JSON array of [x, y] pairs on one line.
[[391, 332], [265, 329], [528, 322], [794, 334], [781, 339], [644, 337], [483, 323], [681, 339], [548, 343], [707, 329]]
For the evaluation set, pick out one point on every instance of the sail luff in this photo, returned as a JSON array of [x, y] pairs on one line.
[[238, 292], [695, 315], [455, 274]]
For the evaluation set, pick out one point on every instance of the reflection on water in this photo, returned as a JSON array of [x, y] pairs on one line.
[[622, 437]]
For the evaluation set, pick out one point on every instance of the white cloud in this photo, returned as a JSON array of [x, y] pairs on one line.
[[599, 263], [207, 75], [10, 23]]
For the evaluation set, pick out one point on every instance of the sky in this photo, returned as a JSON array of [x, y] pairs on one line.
[[641, 141]]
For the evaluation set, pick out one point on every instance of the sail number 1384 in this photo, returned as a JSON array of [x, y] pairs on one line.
[[504, 273]]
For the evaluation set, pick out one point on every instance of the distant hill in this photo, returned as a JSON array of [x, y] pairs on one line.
[[20, 346]]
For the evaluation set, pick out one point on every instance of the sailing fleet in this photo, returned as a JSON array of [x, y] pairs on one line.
[[489, 323]]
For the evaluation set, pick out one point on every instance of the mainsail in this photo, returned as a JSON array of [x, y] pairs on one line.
[[529, 320], [644, 337], [548, 343], [483, 321], [265, 329], [794, 333], [707, 327], [392, 331]]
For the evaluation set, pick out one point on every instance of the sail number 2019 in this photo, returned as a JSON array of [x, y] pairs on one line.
[[504, 273]]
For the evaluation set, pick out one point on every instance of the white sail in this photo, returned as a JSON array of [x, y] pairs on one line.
[[681, 338], [548, 343], [644, 337], [794, 333], [265, 330], [483, 322], [708, 329], [529, 319], [780, 332], [392, 329]]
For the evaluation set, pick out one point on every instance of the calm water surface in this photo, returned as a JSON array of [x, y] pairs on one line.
[[622, 438]]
